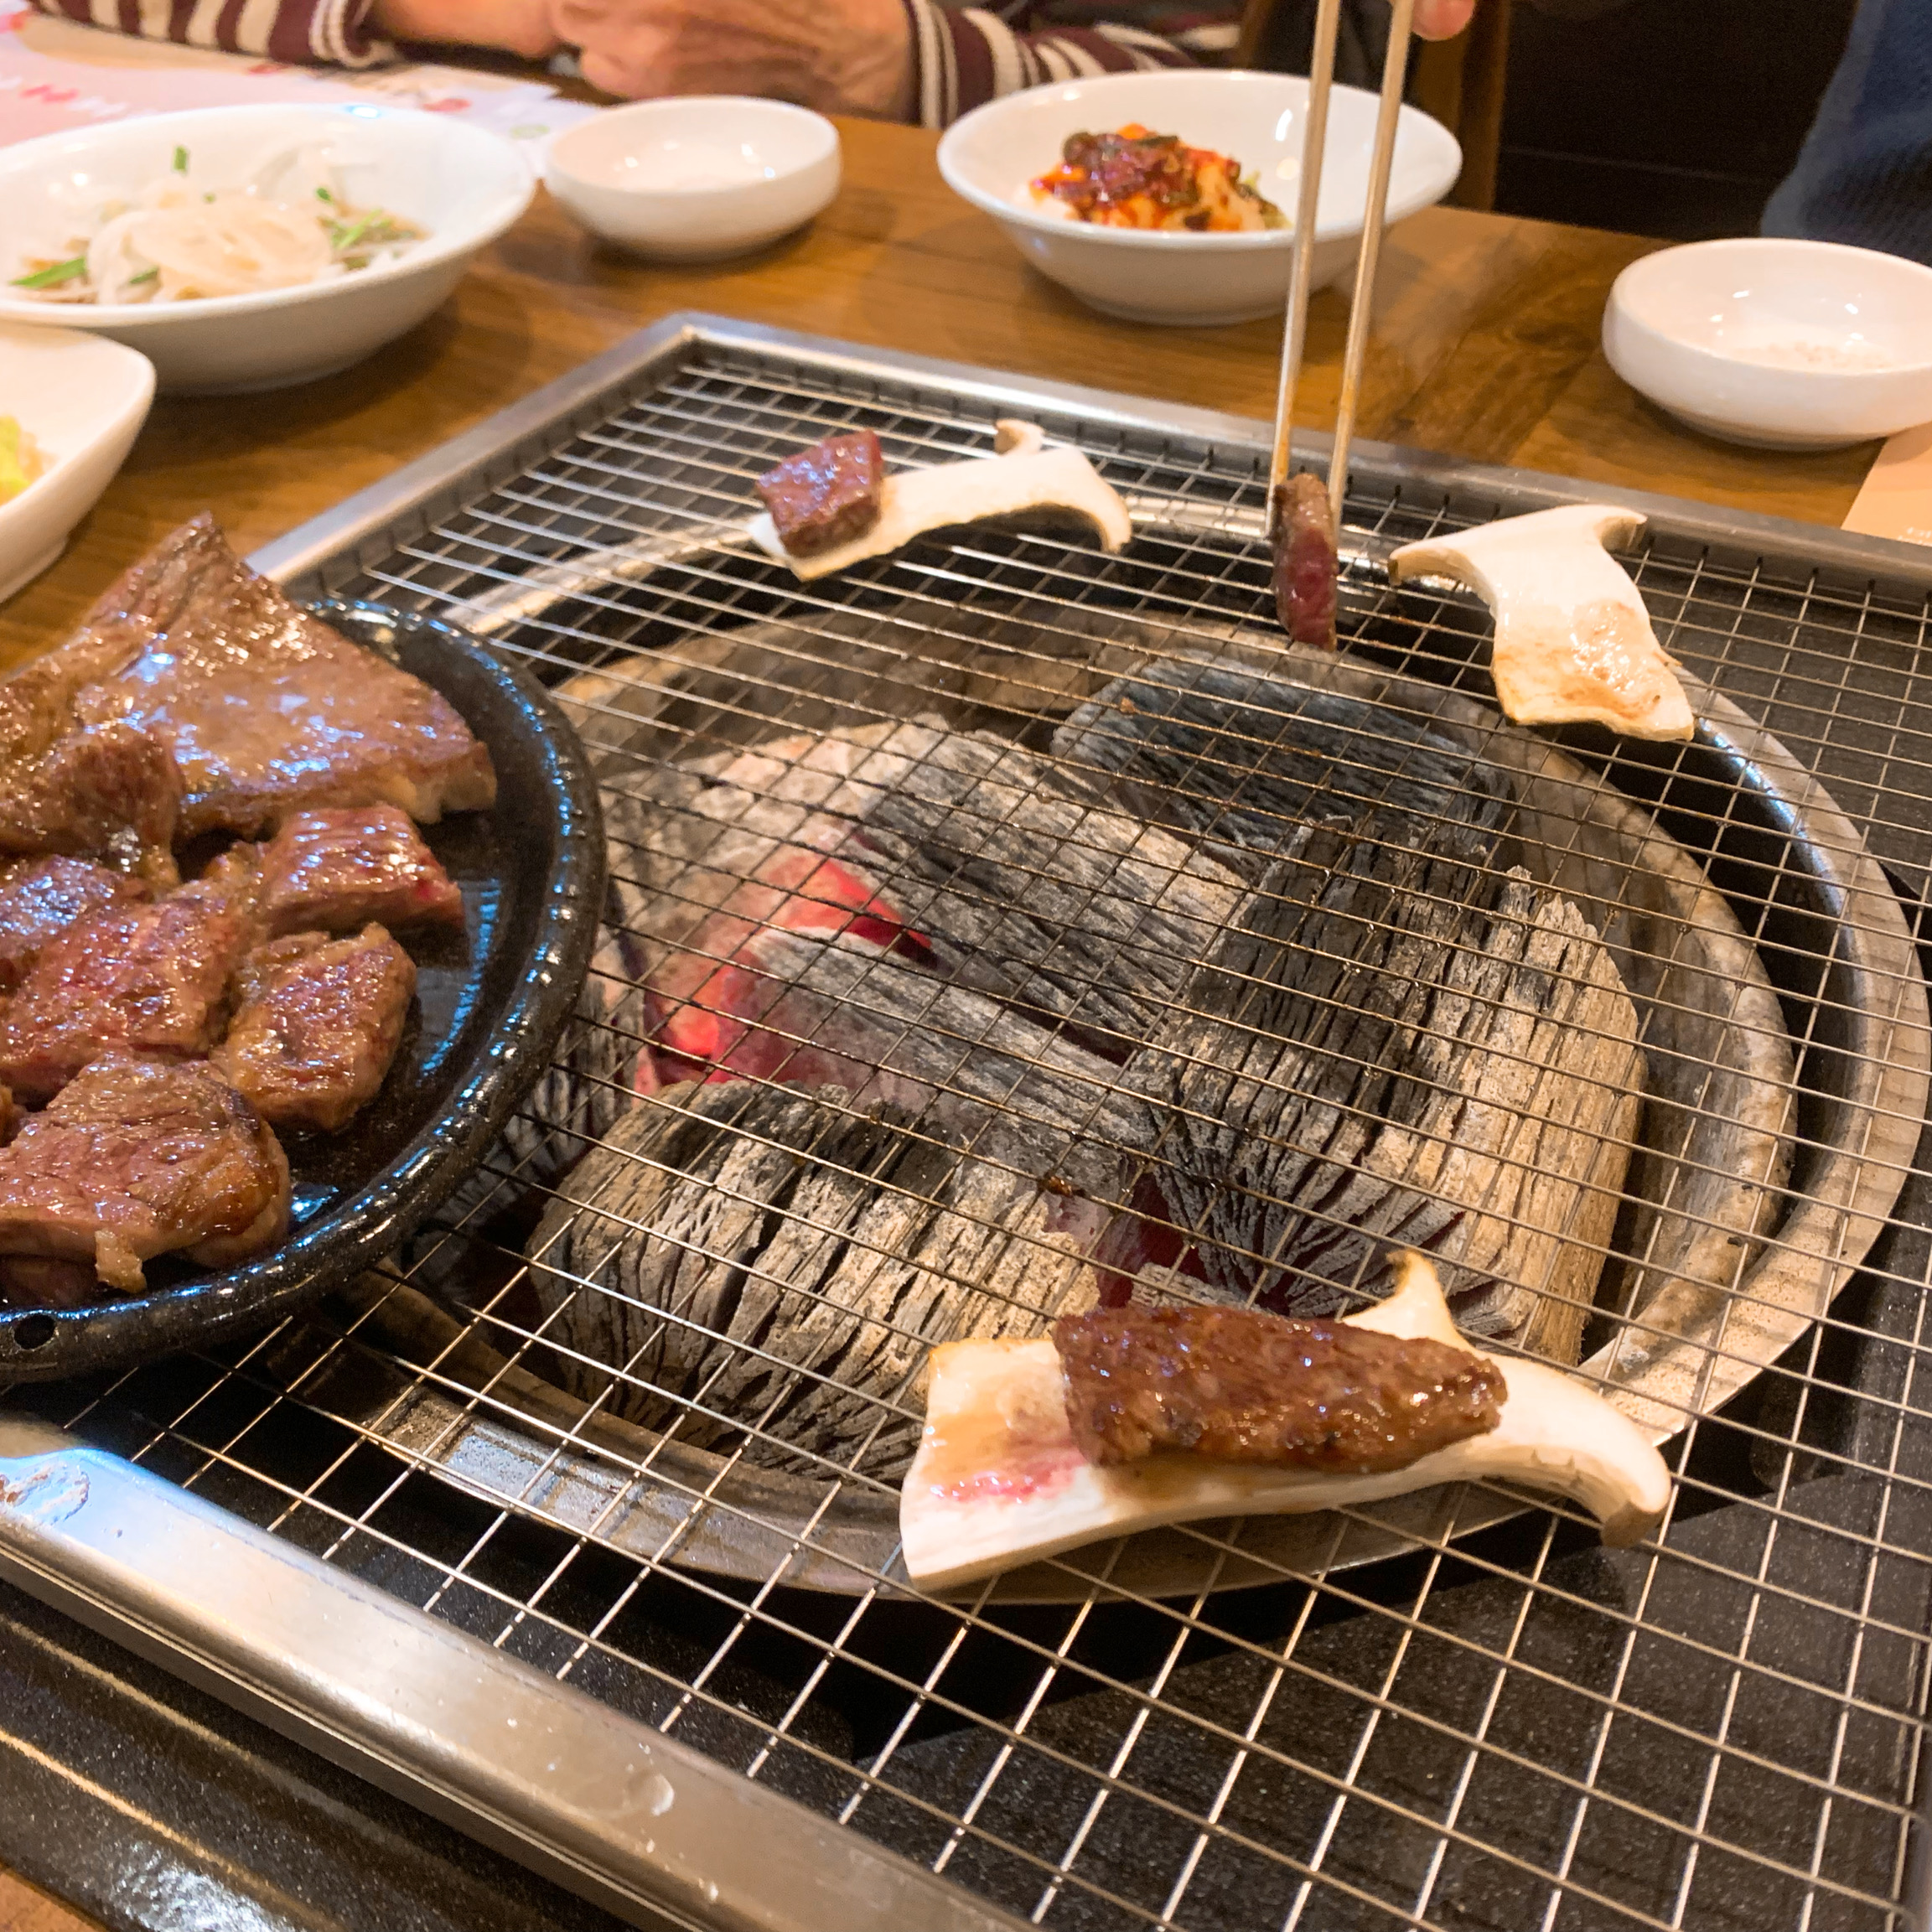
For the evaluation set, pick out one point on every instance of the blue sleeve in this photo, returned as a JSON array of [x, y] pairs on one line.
[[1864, 174]]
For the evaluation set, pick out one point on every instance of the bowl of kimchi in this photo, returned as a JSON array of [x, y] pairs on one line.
[[1170, 197]]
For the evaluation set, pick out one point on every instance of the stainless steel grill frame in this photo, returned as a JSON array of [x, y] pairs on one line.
[[1513, 1729]]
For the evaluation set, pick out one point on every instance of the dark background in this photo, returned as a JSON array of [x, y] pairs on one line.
[[1668, 117]]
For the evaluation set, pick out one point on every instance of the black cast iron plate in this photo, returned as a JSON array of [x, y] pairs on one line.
[[488, 1008]]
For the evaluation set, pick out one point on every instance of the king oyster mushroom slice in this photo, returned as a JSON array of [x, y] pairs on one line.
[[997, 1481], [1573, 640], [1023, 478]]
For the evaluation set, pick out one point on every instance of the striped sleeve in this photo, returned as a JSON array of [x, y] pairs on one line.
[[296, 31], [963, 57]]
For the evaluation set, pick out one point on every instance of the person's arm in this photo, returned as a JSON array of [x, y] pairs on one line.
[[963, 57], [341, 33]]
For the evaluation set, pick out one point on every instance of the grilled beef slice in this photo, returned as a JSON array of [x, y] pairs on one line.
[[317, 1027], [826, 495], [137, 1158], [40, 898], [768, 1268], [104, 791], [266, 710], [1305, 564], [1242, 1386], [335, 870], [149, 979]]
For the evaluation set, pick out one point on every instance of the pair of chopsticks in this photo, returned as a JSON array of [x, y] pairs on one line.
[[1315, 141]]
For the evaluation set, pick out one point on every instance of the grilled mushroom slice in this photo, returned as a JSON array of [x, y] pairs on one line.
[[1573, 640], [999, 1481]]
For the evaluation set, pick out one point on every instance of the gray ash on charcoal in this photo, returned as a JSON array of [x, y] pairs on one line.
[[768, 1268], [1367, 1066], [1245, 762], [1017, 1093], [1081, 915]]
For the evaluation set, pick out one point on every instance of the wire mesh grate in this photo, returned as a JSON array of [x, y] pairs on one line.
[[1466, 1715]]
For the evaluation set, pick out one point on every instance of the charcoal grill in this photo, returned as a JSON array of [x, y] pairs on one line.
[[388, 1528]]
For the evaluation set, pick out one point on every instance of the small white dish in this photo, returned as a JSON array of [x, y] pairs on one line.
[[1777, 344], [83, 399], [698, 178], [463, 184], [991, 156]]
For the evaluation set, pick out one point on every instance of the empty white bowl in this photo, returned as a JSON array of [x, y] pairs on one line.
[[463, 184], [697, 178], [83, 399], [1783, 344], [991, 155]]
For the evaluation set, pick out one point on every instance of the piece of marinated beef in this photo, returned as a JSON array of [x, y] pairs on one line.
[[10, 1116], [1242, 1386], [266, 710], [318, 1025], [335, 870], [1305, 561], [148, 979], [40, 898], [137, 1158], [106, 791], [827, 495]]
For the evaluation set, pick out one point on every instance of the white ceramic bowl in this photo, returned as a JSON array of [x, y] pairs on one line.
[[991, 155], [1784, 344], [83, 399], [463, 184], [697, 179]]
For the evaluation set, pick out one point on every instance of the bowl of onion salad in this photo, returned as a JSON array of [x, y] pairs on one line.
[[246, 248], [179, 238]]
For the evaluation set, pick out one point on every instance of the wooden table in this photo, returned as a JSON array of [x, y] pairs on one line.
[[1486, 347]]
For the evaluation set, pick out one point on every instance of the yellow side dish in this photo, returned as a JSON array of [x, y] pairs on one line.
[[21, 460]]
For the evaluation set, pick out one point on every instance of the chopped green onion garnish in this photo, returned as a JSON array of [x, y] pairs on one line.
[[54, 276], [180, 160], [346, 236], [146, 275], [323, 195]]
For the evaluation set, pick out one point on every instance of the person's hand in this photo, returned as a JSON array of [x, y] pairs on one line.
[[511, 26], [839, 56], [1442, 19]]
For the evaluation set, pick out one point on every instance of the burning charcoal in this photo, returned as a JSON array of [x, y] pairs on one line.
[[336, 870], [40, 898], [741, 829], [319, 1023], [827, 495], [152, 979], [265, 709], [1305, 562], [1246, 763], [756, 1260], [138, 1158], [1367, 1064], [813, 1012], [1081, 916], [587, 1087]]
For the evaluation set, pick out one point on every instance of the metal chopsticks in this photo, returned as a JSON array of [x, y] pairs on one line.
[[1294, 334]]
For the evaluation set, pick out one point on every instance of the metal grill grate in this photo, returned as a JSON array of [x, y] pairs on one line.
[[1514, 1728]]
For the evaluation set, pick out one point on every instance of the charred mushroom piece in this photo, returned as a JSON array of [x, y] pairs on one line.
[[1305, 561], [1000, 1480], [1573, 640], [1023, 478]]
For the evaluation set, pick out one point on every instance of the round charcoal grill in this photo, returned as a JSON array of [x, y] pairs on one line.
[[1784, 1029]]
